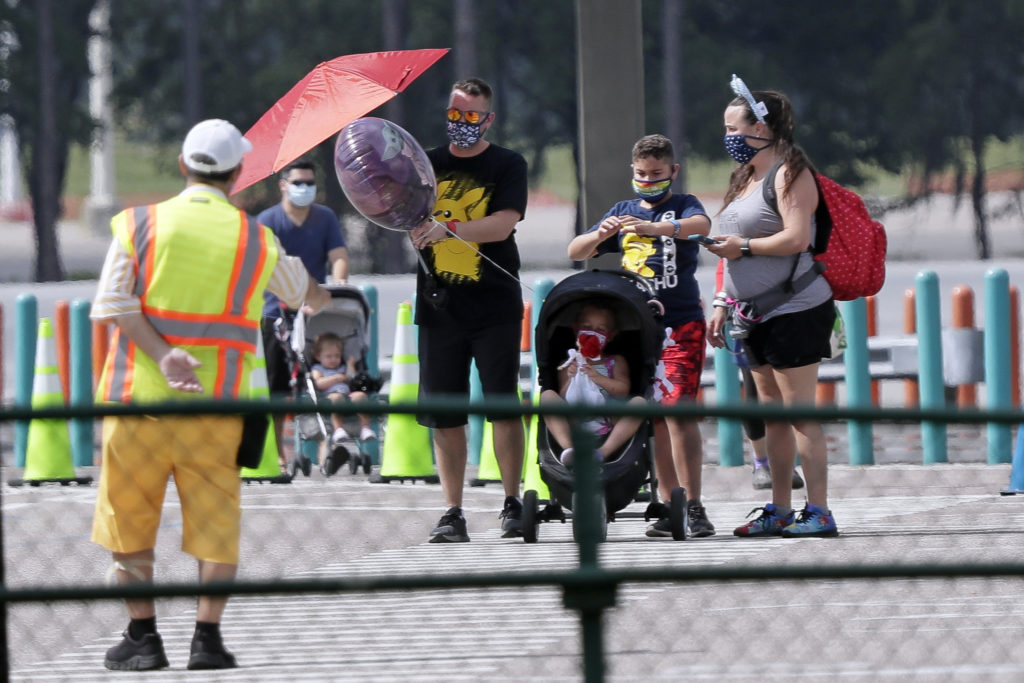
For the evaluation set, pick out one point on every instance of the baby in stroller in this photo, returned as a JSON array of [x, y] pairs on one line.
[[333, 380], [589, 375]]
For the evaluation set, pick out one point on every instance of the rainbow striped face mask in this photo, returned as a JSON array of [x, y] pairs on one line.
[[652, 191]]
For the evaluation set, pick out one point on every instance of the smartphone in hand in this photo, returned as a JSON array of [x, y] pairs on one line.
[[702, 239]]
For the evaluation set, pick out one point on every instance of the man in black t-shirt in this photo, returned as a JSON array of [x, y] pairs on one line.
[[469, 307]]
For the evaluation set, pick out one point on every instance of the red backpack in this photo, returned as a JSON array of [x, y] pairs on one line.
[[854, 259]]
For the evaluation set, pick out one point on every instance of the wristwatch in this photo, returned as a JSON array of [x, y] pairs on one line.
[[745, 248]]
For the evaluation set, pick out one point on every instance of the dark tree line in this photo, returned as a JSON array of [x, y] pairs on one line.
[[911, 86]]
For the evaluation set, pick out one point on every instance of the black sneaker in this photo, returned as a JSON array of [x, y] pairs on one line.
[[208, 653], [661, 528], [144, 654], [700, 525], [451, 528], [511, 518]]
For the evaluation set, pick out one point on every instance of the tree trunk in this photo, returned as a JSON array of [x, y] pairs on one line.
[[192, 81], [978, 198], [465, 39], [45, 175]]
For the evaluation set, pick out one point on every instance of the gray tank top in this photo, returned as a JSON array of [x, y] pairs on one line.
[[749, 276]]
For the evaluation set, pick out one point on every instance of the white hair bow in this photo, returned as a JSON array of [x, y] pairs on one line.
[[741, 89]]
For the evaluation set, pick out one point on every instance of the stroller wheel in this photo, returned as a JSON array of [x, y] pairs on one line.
[[530, 522], [353, 463], [334, 460], [677, 514], [601, 519], [367, 463]]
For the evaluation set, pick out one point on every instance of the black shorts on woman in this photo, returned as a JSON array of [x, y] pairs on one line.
[[792, 340]]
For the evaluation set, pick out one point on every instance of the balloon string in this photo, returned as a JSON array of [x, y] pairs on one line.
[[479, 253]]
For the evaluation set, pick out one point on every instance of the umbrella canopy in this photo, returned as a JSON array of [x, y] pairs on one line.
[[328, 98]]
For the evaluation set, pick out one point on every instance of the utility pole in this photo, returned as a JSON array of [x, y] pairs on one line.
[[101, 204], [610, 87]]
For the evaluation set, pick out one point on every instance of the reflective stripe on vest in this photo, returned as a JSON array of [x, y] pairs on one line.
[[229, 333]]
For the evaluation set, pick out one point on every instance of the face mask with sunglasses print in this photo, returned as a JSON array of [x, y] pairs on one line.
[[301, 195], [464, 127]]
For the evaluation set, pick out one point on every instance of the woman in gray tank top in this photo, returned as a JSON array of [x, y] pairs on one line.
[[765, 251]]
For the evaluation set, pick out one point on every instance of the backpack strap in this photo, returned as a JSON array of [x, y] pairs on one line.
[[770, 300]]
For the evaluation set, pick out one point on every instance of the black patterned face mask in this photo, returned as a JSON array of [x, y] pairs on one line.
[[464, 135]]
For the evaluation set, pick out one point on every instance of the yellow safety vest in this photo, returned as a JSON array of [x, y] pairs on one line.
[[201, 266]]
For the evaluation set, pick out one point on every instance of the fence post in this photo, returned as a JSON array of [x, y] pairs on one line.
[[26, 314], [858, 380], [929, 364], [997, 358], [963, 318], [911, 396], [871, 304]]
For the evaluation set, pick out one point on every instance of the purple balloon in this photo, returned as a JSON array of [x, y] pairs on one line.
[[385, 173]]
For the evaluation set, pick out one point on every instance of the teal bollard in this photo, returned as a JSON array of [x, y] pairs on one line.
[[929, 364], [26, 323], [997, 361], [81, 429], [541, 289], [476, 421], [858, 380], [373, 353], [727, 391]]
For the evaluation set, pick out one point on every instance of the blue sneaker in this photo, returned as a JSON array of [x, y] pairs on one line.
[[770, 523], [813, 521]]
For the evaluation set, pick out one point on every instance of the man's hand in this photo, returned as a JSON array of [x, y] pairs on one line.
[[316, 298], [178, 367]]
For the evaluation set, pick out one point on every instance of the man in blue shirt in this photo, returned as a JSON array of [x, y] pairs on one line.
[[311, 232]]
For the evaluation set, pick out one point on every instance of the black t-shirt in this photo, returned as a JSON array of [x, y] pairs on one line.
[[469, 188]]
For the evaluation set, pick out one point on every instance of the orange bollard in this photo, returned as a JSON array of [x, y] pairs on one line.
[[1014, 347], [872, 311], [525, 341], [911, 396], [100, 341], [61, 331], [963, 317], [825, 394]]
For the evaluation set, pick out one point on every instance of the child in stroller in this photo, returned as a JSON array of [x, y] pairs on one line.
[[332, 379], [343, 328], [637, 340], [592, 376]]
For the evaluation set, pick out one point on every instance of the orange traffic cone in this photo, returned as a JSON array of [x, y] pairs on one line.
[[48, 448], [407, 451]]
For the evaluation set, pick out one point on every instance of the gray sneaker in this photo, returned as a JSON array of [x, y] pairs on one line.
[[762, 478], [451, 528], [700, 525], [512, 518], [660, 529]]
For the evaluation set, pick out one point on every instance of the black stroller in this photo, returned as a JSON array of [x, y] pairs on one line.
[[348, 316], [639, 339]]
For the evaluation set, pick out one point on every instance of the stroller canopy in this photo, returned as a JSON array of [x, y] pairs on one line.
[[639, 336]]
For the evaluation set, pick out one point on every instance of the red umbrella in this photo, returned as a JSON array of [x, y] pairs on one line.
[[331, 96]]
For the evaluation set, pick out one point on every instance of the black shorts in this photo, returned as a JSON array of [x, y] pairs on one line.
[[444, 357], [279, 375], [792, 340]]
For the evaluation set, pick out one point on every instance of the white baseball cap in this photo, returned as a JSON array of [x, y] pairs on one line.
[[214, 146]]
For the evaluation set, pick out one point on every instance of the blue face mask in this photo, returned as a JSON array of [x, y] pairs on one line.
[[742, 152], [301, 195], [652, 191]]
